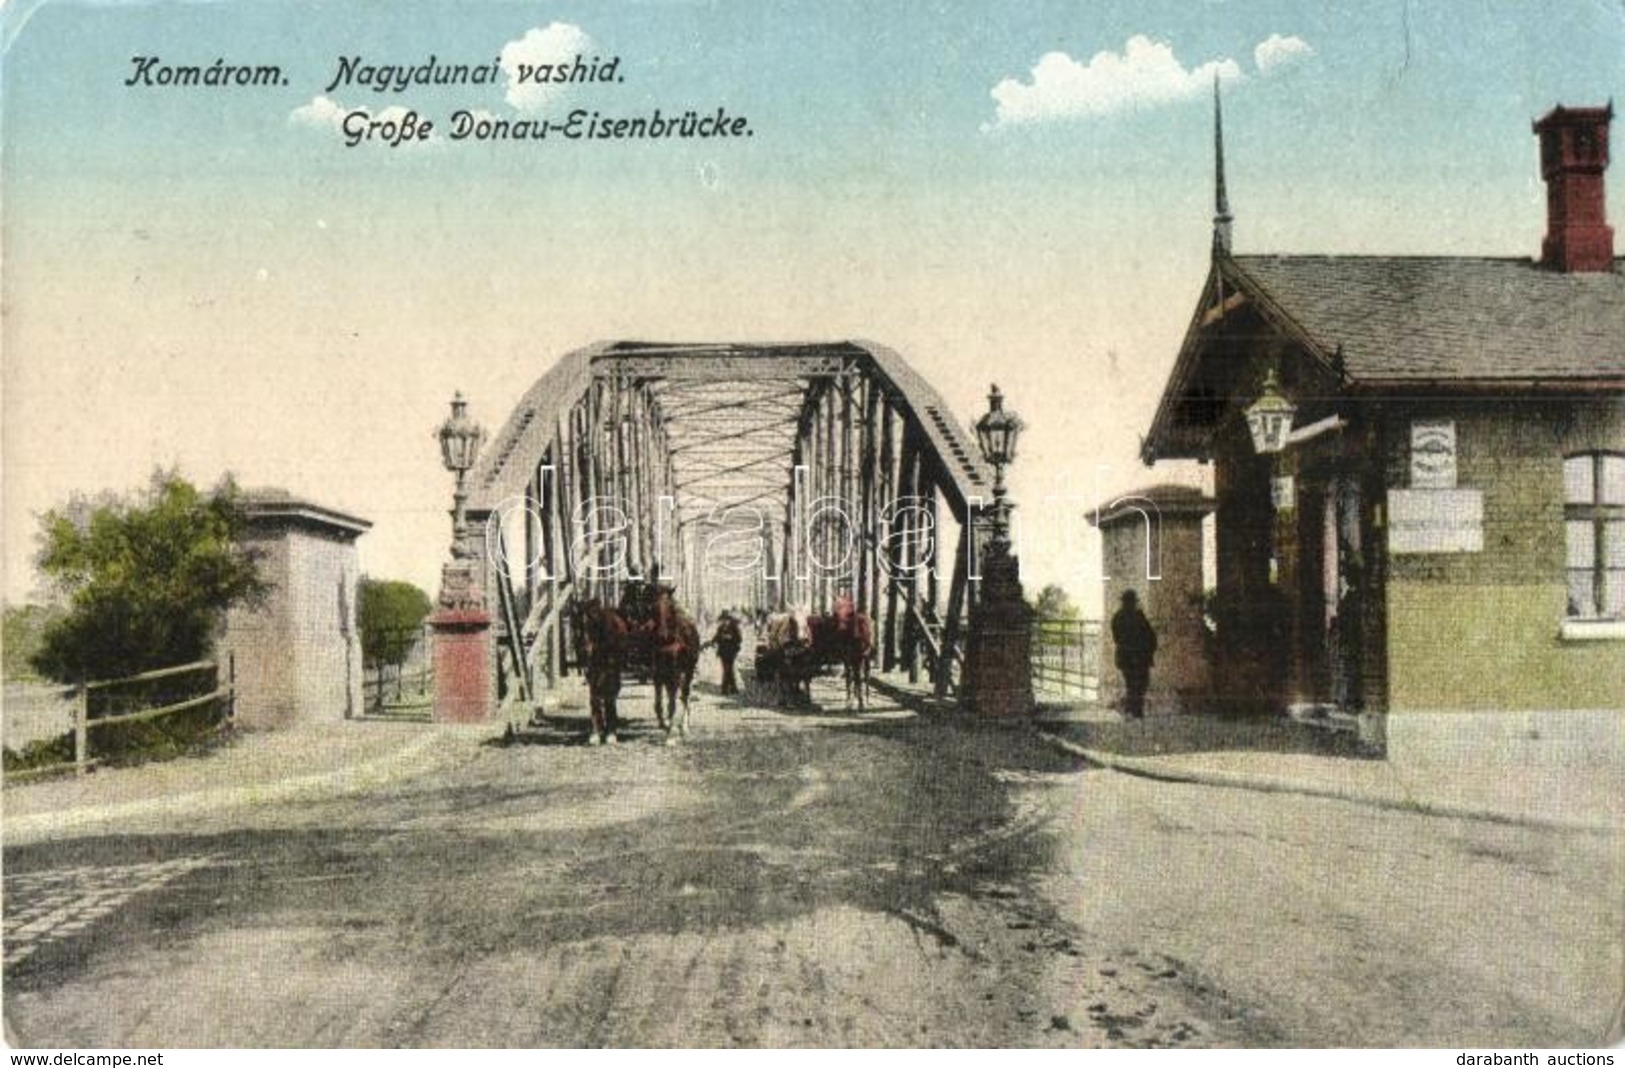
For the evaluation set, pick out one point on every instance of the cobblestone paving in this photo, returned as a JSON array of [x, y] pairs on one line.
[[45, 907]]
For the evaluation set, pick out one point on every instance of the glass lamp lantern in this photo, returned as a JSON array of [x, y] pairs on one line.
[[998, 431], [1269, 418], [460, 438]]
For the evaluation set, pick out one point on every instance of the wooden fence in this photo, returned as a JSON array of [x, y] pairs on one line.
[[84, 723], [1066, 658], [406, 681]]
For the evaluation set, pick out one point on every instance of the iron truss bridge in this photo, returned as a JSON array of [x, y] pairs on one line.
[[748, 476]]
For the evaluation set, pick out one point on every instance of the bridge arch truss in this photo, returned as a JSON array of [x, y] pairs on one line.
[[747, 475]]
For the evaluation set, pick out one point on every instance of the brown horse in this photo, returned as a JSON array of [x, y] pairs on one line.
[[848, 637], [601, 635], [676, 652]]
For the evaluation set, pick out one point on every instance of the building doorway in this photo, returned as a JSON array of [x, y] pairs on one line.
[[1332, 595]]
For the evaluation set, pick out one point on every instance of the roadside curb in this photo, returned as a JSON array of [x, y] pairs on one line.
[[366, 774], [1151, 768]]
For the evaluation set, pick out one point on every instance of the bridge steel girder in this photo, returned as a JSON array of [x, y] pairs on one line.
[[645, 421]]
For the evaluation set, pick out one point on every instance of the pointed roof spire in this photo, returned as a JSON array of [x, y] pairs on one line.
[[1221, 200]]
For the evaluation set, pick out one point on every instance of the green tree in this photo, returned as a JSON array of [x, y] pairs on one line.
[[391, 619], [145, 580], [1054, 603]]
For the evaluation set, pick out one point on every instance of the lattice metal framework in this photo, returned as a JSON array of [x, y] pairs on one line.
[[751, 476]]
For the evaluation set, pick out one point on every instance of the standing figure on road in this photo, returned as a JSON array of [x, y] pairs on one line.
[[728, 639], [1136, 645]]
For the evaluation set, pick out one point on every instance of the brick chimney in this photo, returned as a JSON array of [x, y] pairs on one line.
[[1573, 156]]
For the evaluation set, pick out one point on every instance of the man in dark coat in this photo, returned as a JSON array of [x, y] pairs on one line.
[[728, 639], [1136, 645]]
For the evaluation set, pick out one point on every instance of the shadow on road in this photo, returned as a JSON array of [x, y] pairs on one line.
[[1163, 735]]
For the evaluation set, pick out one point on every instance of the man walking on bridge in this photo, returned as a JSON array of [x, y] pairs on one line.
[[728, 639]]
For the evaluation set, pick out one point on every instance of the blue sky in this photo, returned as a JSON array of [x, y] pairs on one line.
[[200, 277]]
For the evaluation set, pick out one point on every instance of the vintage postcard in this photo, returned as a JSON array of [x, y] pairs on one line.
[[706, 523]]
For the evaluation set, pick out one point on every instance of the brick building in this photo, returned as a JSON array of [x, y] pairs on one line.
[[298, 657], [1151, 543], [1444, 528]]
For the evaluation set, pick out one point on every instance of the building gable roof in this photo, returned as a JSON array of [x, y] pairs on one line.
[[1391, 322], [1436, 318]]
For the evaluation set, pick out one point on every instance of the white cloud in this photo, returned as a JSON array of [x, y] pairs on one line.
[[1278, 52], [1145, 74], [320, 113], [559, 43]]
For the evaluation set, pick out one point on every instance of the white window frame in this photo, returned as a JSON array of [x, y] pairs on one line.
[[1599, 512]]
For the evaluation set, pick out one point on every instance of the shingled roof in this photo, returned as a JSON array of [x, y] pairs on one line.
[[1435, 318], [1406, 322]]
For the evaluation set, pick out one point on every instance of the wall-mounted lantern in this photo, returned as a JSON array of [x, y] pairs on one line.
[[1269, 418]]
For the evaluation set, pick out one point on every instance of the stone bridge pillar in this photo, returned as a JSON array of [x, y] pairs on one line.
[[464, 656], [1151, 542], [999, 647]]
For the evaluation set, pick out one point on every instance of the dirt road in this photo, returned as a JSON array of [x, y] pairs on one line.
[[778, 880]]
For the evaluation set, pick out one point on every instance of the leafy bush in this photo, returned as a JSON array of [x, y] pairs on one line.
[[146, 579], [40, 753], [391, 620], [1053, 602]]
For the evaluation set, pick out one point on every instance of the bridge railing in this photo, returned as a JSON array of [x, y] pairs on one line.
[[1066, 658]]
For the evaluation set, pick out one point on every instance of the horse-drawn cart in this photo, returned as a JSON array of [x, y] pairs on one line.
[[636, 608], [795, 650], [646, 636]]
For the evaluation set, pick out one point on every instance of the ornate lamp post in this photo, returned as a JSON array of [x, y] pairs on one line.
[[998, 653], [996, 435], [460, 440], [463, 656]]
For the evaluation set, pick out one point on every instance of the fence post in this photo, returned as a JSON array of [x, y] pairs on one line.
[[231, 683], [81, 728], [426, 649]]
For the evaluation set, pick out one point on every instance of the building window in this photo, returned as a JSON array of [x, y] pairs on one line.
[[1594, 532]]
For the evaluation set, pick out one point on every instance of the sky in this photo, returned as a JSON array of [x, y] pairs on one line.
[[209, 277]]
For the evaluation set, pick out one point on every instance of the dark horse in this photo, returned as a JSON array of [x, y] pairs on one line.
[[846, 636], [601, 635], [675, 652]]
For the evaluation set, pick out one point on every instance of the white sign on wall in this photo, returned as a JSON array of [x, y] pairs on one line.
[[1435, 521], [1433, 454]]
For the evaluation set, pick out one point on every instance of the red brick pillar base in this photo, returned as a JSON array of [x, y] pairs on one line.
[[462, 666], [998, 652]]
